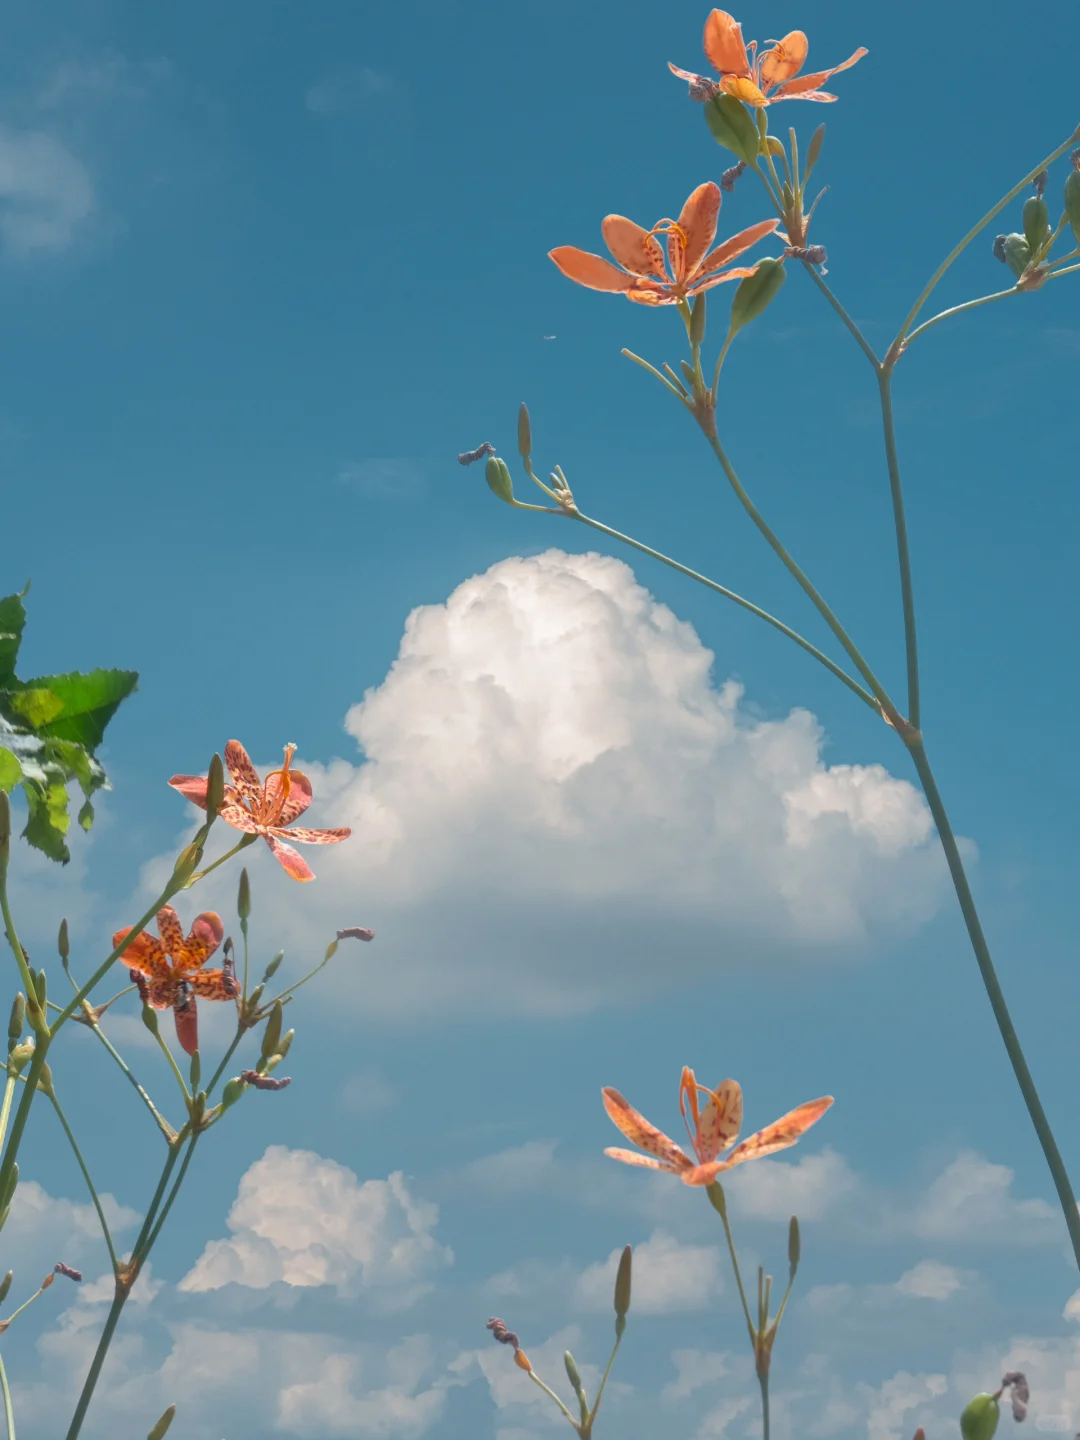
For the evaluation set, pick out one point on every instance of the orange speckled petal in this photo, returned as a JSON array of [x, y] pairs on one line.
[[780, 1134], [721, 1120], [636, 1128], [203, 939], [192, 787], [743, 89], [801, 87], [724, 44], [690, 76], [644, 294], [170, 930], [311, 837], [146, 954], [592, 271], [702, 1174], [285, 810], [739, 272], [187, 1025], [736, 246], [245, 776], [631, 1157], [698, 223], [234, 814], [214, 985], [290, 860], [785, 59], [635, 248]]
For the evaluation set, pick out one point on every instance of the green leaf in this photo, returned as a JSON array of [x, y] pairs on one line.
[[733, 127], [36, 707], [756, 293], [10, 769], [49, 821], [89, 703], [12, 623]]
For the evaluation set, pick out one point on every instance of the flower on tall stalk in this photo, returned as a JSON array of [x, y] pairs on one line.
[[758, 79], [715, 1128], [265, 807], [169, 974], [644, 277]]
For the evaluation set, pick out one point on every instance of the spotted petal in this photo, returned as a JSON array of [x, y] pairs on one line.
[[631, 1157], [214, 984], [592, 271], [737, 272], [145, 954], [721, 1120], [311, 837], [724, 44], [186, 1018], [636, 1128], [170, 930], [193, 787], [234, 814], [290, 860], [780, 1134], [635, 248], [642, 293], [805, 84], [785, 59], [244, 775], [204, 938], [284, 808], [698, 224], [737, 245]]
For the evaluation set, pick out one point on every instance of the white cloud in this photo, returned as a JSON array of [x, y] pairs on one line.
[[696, 1368], [930, 1280], [555, 796], [45, 192], [43, 1225], [668, 1277], [972, 1200], [304, 1221], [809, 1187], [367, 1093], [328, 1405], [522, 1167], [889, 1403]]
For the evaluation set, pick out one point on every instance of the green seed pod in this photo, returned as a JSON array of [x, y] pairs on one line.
[[195, 1070], [697, 320], [524, 433], [285, 1044], [62, 943], [756, 293], [215, 786], [158, 1432], [771, 145], [732, 126], [5, 1286], [272, 1033], [45, 1080], [255, 997], [794, 1245], [1036, 222], [272, 968], [980, 1418], [331, 949], [789, 196], [813, 154], [233, 1090], [622, 1286], [40, 987], [498, 479], [20, 1056], [16, 1021], [243, 896], [149, 1019], [1017, 254], [1072, 202], [688, 374], [717, 1198]]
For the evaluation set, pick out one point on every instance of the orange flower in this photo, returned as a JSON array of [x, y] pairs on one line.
[[715, 1128], [265, 808], [644, 277], [169, 973], [749, 76]]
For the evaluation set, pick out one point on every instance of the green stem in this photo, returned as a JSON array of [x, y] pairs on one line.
[[1067, 271], [241, 1030], [763, 1381], [9, 1414], [603, 1383], [548, 1391], [997, 999], [652, 371], [163, 1124], [172, 1064], [911, 645], [958, 310], [242, 844], [86, 1176], [151, 1239], [22, 1114], [5, 1109], [966, 241], [13, 940], [860, 338], [818, 655], [804, 581]]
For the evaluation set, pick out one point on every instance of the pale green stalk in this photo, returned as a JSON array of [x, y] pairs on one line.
[[9, 1414], [86, 1176]]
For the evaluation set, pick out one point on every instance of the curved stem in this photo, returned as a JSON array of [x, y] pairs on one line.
[[804, 582], [172, 1064], [241, 844], [86, 1176], [966, 241], [997, 999], [818, 655], [863, 343], [241, 1030], [5, 1108], [548, 1391], [911, 646], [958, 310], [9, 1414], [22, 1114]]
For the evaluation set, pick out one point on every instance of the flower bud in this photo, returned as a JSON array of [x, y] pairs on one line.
[[574, 1376], [697, 320], [284, 1045], [215, 786], [62, 943], [45, 1080], [16, 1020], [1036, 220], [186, 863], [1016, 252], [622, 1289], [794, 1245], [20, 1056], [233, 1090], [272, 968], [498, 478], [1072, 199], [272, 1033], [40, 987], [771, 145], [149, 1019], [255, 997], [756, 293], [5, 1286], [331, 951], [243, 896], [158, 1432], [524, 432], [980, 1418], [813, 154], [521, 1360], [731, 126]]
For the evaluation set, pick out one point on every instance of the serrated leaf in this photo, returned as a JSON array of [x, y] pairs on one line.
[[10, 769], [33, 706], [48, 821], [12, 623], [86, 815], [90, 701]]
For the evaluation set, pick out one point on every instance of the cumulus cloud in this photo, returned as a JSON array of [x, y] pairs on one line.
[[809, 1187], [930, 1280], [45, 192], [304, 1221], [972, 1200], [669, 1277], [557, 808], [888, 1404]]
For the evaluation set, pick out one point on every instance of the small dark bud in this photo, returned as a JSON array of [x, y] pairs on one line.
[[501, 1333], [356, 932], [812, 254], [999, 248], [702, 89], [62, 943], [264, 1082], [61, 1269], [1039, 183]]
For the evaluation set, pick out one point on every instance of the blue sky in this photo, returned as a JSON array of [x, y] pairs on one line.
[[265, 272]]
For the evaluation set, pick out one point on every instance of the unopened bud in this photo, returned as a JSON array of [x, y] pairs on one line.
[[1036, 220], [622, 1289], [497, 475], [1072, 195], [243, 898], [40, 987], [149, 1019], [272, 1033], [233, 1090], [521, 1360], [5, 1286], [284, 1045], [794, 1245], [524, 432], [195, 1070], [62, 944], [573, 1375], [45, 1080], [158, 1432], [331, 950], [272, 968], [187, 862], [980, 1418], [697, 320], [215, 785], [16, 1020], [756, 293], [20, 1055]]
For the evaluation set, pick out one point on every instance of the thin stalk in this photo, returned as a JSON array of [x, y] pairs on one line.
[[903, 555], [958, 310], [603, 1381], [799, 640], [803, 580], [240, 1032], [5, 1109], [548, 1391], [652, 371], [1067, 271], [172, 1064], [857, 334], [997, 999], [22, 1114], [763, 1381], [242, 844], [163, 1124], [13, 940], [966, 241], [151, 1239], [86, 1176], [9, 1414]]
